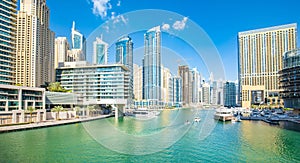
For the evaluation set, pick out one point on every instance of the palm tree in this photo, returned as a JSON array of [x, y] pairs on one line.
[[57, 109], [30, 110]]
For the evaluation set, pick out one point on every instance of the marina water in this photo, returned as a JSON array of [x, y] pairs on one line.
[[206, 141]]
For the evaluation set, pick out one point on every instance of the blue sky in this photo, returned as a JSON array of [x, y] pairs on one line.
[[221, 20]]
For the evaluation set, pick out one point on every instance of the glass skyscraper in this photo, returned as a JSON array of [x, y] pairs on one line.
[[8, 28], [100, 51], [124, 55], [152, 65], [78, 41], [229, 94], [289, 80]]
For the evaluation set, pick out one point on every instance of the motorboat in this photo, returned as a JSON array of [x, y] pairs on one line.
[[223, 114], [197, 119]]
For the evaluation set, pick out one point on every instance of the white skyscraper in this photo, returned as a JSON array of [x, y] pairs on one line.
[[165, 76], [137, 82], [78, 45], [35, 44], [61, 50]]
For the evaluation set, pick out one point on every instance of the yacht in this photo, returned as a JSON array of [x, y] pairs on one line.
[[197, 119], [145, 113], [223, 114]]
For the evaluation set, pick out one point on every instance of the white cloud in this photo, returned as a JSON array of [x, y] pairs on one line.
[[100, 7], [118, 18], [119, 3], [165, 27], [180, 25]]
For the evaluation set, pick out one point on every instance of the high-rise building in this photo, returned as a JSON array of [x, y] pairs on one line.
[[124, 55], [205, 94], [175, 91], [35, 44], [78, 44], [165, 76], [124, 51], [229, 94], [216, 92], [61, 50], [137, 82], [195, 81], [289, 80], [260, 59], [185, 74], [100, 51], [8, 23], [152, 65]]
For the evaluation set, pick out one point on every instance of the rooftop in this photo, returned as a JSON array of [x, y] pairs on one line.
[[274, 28]]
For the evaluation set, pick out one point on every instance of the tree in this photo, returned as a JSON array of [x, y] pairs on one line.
[[56, 87], [30, 110], [57, 109]]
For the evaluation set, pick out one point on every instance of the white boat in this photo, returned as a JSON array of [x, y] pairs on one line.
[[223, 114], [197, 119], [145, 113]]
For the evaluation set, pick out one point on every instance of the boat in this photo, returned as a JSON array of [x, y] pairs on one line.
[[223, 114], [144, 113], [197, 119]]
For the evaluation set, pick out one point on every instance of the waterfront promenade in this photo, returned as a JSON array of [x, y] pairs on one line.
[[49, 123]]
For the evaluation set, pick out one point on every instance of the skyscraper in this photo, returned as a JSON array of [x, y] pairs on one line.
[[152, 65], [137, 82], [185, 74], [35, 44], [175, 91], [229, 94], [100, 51], [61, 50], [260, 59], [165, 76], [195, 83], [78, 44], [8, 30], [124, 55]]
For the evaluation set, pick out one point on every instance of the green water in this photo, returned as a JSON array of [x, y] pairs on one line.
[[207, 141]]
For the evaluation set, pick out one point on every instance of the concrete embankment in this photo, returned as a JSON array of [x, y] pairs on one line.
[[5, 129]]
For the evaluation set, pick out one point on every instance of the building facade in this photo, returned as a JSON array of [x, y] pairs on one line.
[[195, 83], [15, 101], [137, 82], [165, 76], [185, 74], [289, 79], [61, 50], [205, 94], [8, 29], [229, 94], [260, 59], [78, 50], [97, 84], [124, 55], [152, 65], [100, 52], [35, 44], [175, 91]]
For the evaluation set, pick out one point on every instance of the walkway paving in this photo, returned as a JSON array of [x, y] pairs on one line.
[[49, 124]]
